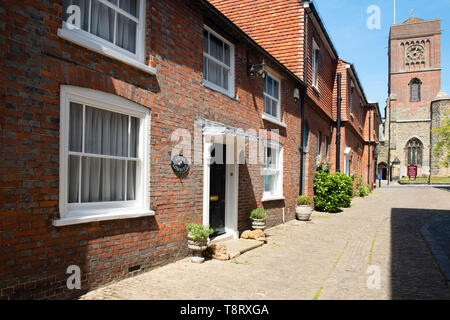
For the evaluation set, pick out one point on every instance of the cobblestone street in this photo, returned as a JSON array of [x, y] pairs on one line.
[[327, 258]]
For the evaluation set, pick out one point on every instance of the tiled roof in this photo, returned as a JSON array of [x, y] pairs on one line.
[[413, 20], [274, 32]]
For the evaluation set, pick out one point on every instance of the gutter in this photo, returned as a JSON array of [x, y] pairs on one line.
[[338, 123], [370, 143]]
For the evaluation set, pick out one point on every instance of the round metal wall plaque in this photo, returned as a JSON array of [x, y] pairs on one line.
[[179, 164]]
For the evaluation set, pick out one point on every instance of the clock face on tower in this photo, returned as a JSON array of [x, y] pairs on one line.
[[415, 53]]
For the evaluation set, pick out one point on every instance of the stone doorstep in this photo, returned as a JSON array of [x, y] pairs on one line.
[[236, 247]]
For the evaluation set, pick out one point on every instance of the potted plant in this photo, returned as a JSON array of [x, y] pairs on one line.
[[198, 240], [303, 209], [258, 217]]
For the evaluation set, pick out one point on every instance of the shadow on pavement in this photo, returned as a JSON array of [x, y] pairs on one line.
[[414, 272]]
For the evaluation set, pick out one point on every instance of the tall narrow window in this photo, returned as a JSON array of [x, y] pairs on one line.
[[272, 97], [352, 88], [315, 64], [325, 147], [319, 145], [273, 172], [415, 87], [218, 62], [414, 152]]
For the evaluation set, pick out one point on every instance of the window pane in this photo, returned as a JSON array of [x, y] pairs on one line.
[[274, 108], [276, 89], [126, 33], [225, 78], [227, 54], [131, 180], [74, 178], [102, 21], [270, 158], [75, 127], [267, 105], [216, 48], [134, 137], [269, 86], [106, 132], [205, 68], [205, 41], [130, 6], [269, 184], [84, 10], [214, 73], [102, 180]]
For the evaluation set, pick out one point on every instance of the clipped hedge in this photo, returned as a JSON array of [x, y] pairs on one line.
[[332, 191]]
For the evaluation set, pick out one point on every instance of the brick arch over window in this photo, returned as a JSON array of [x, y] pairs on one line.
[[414, 152], [415, 87]]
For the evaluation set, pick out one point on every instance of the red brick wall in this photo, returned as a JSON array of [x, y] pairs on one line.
[[34, 254]]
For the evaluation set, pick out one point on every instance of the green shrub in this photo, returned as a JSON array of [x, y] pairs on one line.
[[360, 182], [198, 231], [363, 191], [304, 201], [259, 213], [332, 191]]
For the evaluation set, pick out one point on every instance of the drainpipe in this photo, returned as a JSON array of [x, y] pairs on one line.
[[431, 141], [302, 125], [389, 145], [338, 124], [302, 98], [370, 141]]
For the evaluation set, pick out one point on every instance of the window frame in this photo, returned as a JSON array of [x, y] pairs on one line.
[[352, 89], [73, 213], [319, 146], [231, 76], [268, 116], [418, 82], [278, 188], [95, 43], [315, 65]]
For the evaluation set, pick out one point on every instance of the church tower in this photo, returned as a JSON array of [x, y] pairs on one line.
[[414, 81]]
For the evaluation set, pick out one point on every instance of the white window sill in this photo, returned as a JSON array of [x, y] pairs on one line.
[[273, 120], [86, 218], [215, 87], [272, 198], [75, 37]]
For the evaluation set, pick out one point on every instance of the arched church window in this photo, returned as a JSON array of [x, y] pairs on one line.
[[414, 152], [415, 85]]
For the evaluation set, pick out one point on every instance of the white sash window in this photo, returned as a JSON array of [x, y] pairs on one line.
[[104, 155], [273, 172], [218, 62], [272, 92], [114, 28]]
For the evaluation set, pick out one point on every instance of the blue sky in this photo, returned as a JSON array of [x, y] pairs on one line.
[[346, 23]]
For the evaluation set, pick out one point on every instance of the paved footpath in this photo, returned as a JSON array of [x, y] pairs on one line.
[[373, 250]]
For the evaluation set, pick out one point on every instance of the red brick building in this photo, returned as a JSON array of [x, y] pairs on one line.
[[92, 110], [98, 98], [414, 82], [293, 32]]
